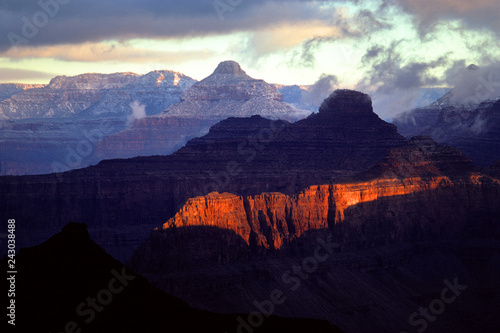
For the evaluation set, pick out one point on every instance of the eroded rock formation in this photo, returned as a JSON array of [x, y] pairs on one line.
[[227, 92]]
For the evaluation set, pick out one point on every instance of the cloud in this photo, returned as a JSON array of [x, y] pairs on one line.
[[14, 74], [473, 84], [347, 25], [91, 52], [395, 80], [95, 21], [272, 26], [138, 112], [271, 40], [480, 14], [320, 90], [388, 68]]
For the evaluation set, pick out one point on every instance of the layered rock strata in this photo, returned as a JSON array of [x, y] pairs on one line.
[[56, 127], [243, 156], [227, 92]]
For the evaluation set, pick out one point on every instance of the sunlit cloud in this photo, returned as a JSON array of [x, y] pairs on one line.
[[96, 52]]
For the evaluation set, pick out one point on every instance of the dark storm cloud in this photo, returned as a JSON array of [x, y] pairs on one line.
[[479, 14], [72, 21], [393, 80], [320, 90], [388, 69], [372, 52]]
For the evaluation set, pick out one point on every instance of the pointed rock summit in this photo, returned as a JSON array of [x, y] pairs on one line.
[[230, 92], [227, 72], [229, 67]]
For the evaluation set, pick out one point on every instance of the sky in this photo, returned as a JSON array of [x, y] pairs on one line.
[[383, 47]]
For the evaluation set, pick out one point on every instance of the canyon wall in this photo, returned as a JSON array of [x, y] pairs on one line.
[[244, 156], [363, 255], [271, 220]]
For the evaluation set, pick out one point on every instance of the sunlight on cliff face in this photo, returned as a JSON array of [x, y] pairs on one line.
[[275, 218]]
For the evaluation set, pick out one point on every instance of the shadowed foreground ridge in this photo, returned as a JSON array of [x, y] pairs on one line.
[[68, 269]]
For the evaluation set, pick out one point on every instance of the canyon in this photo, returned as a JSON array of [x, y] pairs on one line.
[[59, 126], [122, 200], [352, 222], [364, 254], [227, 92], [55, 127]]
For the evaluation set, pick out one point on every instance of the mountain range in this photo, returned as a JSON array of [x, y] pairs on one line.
[[228, 92], [474, 129], [61, 126], [55, 127]]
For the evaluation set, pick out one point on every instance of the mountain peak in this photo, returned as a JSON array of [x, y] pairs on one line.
[[229, 67], [345, 100], [227, 72]]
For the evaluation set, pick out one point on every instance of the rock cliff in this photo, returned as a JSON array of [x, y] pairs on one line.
[[56, 127], [243, 156], [8, 90], [271, 220], [95, 95], [378, 246], [228, 92]]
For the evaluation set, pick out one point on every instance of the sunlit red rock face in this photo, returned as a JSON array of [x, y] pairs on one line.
[[271, 220], [423, 213], [421, 173]]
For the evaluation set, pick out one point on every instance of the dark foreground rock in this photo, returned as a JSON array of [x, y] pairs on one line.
[[70, 284]]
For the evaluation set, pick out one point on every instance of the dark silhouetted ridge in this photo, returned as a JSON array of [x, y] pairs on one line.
[[69, 269]]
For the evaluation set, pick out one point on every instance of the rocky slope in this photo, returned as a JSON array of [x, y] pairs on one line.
[[96, 95], [244, 156], [423, 168], [474, 129], [466, 117], [375, 249], [379, 289], [8, 90], [228, 92], [34, 146], [83, 288], [56, 127]]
